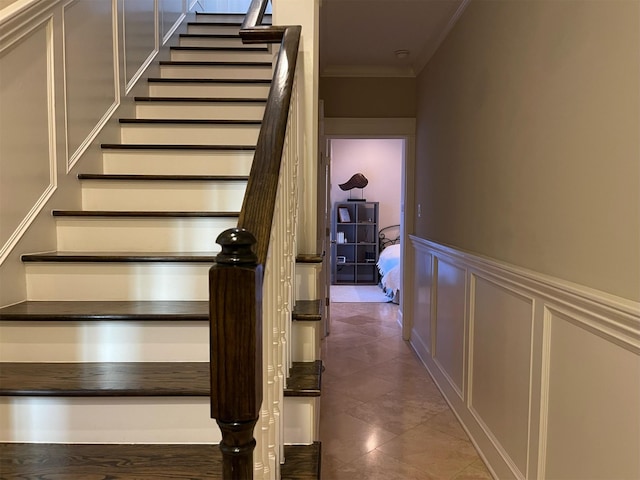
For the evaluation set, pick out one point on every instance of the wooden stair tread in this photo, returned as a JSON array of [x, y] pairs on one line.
[[214, 24], [157, 310], [209, 35], [213, 81], [200, 100], [115, 257], [155, 177], [141, 214], [162, 146], [139, 379], [138, 461], [309, 258], [267, 16], [223, 49], [307, 310], [215, 64], [89, 379], [305, 379], [188, 121]]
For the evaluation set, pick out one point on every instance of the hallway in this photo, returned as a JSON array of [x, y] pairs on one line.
[[382, 417]]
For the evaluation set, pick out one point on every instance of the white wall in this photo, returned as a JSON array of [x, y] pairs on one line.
[[380, 160]]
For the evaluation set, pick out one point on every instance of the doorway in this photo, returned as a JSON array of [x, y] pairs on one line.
[[379, 161], [402, 129]]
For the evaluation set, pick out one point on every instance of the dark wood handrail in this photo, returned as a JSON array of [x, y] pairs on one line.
[[235, 281]]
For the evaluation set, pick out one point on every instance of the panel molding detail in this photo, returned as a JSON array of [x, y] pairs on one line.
[[129, 57], [73, 157], [44, 23], [541, 356]]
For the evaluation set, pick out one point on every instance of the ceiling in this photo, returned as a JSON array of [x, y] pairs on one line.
[[360, 37]]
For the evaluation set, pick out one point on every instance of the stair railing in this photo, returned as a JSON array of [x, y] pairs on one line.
[[251, 284]]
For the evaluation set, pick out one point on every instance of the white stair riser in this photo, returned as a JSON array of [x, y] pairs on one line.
[[132, 420], [215, 42], [224, 90], [72, 281], [108, 341], [301, 420], [221, 18], [190, 134], [107, 420], [205, 111], [79, 234], [163, 196], [305, 341], [177, 162], [213, 29], [218, 72], [307, 275], [220, 56], [105, 341]]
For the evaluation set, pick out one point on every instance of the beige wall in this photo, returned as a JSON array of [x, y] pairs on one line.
[[527, 139], [368, 97]]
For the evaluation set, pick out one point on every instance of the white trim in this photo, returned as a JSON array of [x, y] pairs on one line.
[[544, 393], [174, 27], [425, 56], [614, 319], [15, 9], [614, 315]]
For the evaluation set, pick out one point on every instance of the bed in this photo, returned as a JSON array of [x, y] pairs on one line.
[[389, 262]]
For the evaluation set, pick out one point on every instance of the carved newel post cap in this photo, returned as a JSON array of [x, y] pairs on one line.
[[236, 246]]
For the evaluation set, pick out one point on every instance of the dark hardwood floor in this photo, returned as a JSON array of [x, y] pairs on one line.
[[136, 462]]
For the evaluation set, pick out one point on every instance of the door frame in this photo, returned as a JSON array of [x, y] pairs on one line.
[[378, 128]]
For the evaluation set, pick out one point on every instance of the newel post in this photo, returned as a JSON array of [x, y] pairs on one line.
[[235, 316]]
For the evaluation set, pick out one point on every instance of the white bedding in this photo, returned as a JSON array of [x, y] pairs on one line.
[[389, 267]]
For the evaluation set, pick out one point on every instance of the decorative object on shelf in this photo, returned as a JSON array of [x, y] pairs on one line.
[[343, 214], [358, 180]]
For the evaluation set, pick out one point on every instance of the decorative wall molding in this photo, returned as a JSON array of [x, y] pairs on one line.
[[19, 20], [45, 23], [535, 327], [131, 82], [619, 314], [73, 157]]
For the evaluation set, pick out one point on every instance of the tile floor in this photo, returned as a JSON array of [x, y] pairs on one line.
[[382, 417]]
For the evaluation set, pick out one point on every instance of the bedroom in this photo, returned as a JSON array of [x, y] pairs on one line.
[[381, 161]]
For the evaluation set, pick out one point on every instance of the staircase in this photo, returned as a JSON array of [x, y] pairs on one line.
[[105, 369]]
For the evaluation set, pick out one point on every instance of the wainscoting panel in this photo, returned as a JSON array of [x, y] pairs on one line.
[[27, 117], [551, 388], [449, 322], [171, 14], [423, 282], [140, 38], [500, 365], [91, 79], [593, 415]]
